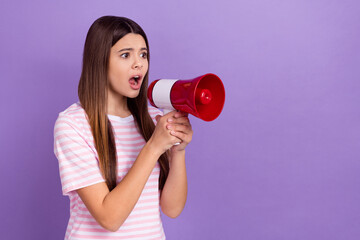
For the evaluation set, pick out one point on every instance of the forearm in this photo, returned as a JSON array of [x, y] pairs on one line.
[[174, 193], [117, 205]]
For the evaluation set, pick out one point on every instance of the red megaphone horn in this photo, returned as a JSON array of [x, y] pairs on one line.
[[203, 96]]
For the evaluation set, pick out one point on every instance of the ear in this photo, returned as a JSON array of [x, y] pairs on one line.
[[157, 118]]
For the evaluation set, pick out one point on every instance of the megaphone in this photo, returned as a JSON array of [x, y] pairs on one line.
[[203, 96]]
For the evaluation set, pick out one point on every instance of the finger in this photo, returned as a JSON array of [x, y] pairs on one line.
[[182, 120], [179, 128], [183, 137], [169, 117], [181, 114], [175, 140], [170, 114]]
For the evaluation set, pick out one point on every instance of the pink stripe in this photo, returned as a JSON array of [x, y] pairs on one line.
[[125, 163], [126, 224], [78, 181], [135, 214], [152, 180], [73, 173], [127, 155], [67, 142], [125, 170], [145, 207], [124, 231], [148, 194], [150, 200], [147, 235], [64, 121], [73, 161], [130, 139], [71, 165], [90, 220], [154, 111], [60, 131], [133, 224], [76, 159], [128, 126], [75, 109], [79, 185], [73, 149], [137, 144], [130, 132], [130, 150], [117, 237]]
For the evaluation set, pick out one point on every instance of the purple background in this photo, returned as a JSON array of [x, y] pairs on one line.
[[281, 162]]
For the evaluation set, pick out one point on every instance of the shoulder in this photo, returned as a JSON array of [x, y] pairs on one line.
[[74, 115], [153, 111]]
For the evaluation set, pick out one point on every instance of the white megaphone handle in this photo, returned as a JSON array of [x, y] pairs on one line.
[[166, 111]]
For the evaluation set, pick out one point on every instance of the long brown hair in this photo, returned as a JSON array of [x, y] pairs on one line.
[[102, 35]]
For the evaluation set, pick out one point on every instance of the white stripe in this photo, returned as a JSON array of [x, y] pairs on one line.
[[135, 226], [150, 190], [69, 138], [64, 132], [120, 234], [129, 142], [124, 148], [77, 153], [79, 182], [65, 172], [82, 162]]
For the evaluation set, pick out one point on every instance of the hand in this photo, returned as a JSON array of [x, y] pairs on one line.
[[180, 127], [161, 139]]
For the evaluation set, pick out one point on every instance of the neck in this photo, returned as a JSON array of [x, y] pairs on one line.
[[117, 105]]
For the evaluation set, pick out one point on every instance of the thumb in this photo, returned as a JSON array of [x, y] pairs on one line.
[[157, 118]]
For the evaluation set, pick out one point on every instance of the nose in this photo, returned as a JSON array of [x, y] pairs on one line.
[[137, 64]]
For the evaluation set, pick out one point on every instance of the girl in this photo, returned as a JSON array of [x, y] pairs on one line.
[[116, 166]]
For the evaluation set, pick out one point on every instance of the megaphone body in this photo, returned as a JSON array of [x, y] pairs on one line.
[[203, 96]]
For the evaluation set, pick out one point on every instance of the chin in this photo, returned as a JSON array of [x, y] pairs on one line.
[[135, 95]]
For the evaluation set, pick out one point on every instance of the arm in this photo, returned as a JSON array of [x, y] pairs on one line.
[[174, 194], [110, 209]]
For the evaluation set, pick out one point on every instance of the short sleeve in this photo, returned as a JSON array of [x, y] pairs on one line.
[[78, 164]]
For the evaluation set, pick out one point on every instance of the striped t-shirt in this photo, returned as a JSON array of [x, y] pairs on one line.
[[78, 164]]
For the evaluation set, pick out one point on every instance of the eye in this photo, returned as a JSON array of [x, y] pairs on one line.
[[143, 55], [124, 55]]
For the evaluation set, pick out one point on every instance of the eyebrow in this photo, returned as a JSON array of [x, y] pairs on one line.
[[131, 49]]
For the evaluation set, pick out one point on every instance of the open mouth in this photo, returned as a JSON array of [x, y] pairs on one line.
[[135, 81]]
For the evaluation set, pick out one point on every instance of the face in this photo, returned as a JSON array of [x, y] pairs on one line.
[[128, 66]]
